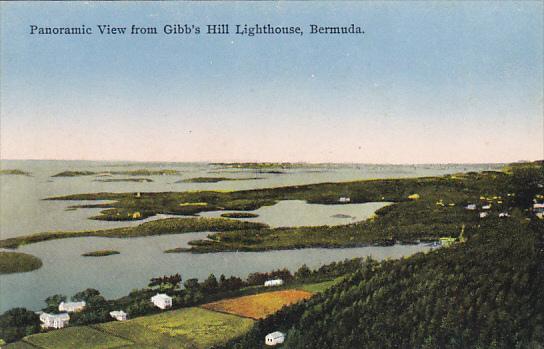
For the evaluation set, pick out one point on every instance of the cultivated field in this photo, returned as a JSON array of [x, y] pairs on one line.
[[19, 345], [76, 337], [185, 328], [260, 305]]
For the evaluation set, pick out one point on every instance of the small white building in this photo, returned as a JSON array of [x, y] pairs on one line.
[[54, 320], [118, 315], [275, 282], [344, 200], [470, 207], [486, 207], [274, 338], [162, 300], [72, 307], [483, 214], [538, 209], [504, 215]]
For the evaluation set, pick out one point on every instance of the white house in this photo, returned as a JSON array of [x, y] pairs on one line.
[[118, 315], [71, 307], [274, 338], [470, 207], [483, 214], [486, 207], [54, 320], [162, 300], [275, 282], [344, 200], [504, 214], [538, 209]]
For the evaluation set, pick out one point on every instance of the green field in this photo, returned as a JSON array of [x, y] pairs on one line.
[[76, 337], [321, 286], [184, 328], [19, 345], [191, 327]]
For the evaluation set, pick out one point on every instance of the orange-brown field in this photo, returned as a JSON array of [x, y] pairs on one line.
[[260, 305]]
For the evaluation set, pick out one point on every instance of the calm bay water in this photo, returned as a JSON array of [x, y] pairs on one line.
[[65, 271]]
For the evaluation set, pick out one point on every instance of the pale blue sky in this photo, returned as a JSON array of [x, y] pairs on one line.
[[428, 82]]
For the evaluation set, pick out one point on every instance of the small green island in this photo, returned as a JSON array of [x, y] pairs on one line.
[[140, 172], [132, 180], [158, 227], [341, 215], [17, 262], [239, 215], [214, 179], [100, 253], [14, 172]]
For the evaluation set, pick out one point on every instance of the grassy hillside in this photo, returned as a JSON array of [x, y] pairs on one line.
[[185, 328], [76, 337]]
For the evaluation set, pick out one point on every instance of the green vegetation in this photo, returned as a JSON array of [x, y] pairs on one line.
[[114, 180], [186, 328], [190, 327], [100, 253], [19, 345], [320, 286], [158, 227], [406, 221], [75, 173], [214, 179], [239, 215], [16, 262], [141, 172], [193, 204], [14, 172], [485, 293], [76, 337], [18, 322], [341, 215], [178, 250], [437, 212]]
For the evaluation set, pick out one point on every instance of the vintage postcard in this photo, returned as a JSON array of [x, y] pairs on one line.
[[272, 174]]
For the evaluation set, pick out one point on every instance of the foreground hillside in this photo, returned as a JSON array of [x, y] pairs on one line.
[[485, 293], [184, 328]]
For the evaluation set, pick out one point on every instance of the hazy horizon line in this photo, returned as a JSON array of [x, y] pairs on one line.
[[278, 162]]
